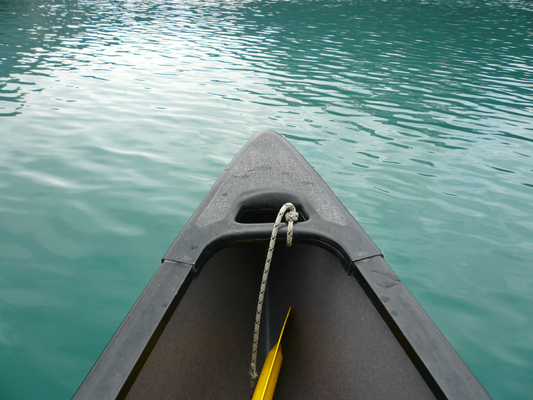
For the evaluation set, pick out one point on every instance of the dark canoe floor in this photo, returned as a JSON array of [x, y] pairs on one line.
[[336, 345]]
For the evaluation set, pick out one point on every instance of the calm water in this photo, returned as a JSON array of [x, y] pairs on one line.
[[116, 118]]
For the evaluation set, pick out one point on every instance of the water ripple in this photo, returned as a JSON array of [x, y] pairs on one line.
[[117, 117]]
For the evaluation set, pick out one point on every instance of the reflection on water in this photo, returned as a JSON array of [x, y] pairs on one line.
[[116, 117]]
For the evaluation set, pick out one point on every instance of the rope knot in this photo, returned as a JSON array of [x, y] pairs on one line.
[[291, 216]]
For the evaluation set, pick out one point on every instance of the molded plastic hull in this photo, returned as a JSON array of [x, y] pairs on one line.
[[355, 331]]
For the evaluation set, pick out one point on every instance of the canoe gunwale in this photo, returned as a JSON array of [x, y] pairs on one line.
[[118, 366], [436, 360]]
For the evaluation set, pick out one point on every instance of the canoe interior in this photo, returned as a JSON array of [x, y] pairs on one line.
[[335, 346]]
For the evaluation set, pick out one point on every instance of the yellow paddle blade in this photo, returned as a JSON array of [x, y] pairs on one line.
[[270, 372]]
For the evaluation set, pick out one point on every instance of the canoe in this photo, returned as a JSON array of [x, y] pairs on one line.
[[355, 331]]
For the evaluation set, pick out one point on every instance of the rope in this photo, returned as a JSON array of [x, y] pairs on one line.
[[291, 216]]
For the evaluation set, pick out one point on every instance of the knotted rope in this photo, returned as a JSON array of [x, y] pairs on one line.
[[291, 216]]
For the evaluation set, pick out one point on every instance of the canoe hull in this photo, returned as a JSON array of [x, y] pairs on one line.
[[355, 331]]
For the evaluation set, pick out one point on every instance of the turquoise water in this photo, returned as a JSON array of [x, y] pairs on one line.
[[116, 118]]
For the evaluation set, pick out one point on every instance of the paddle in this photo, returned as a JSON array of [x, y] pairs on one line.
[[270, 372]]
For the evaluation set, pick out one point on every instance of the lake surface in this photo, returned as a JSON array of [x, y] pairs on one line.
[[116, 118]]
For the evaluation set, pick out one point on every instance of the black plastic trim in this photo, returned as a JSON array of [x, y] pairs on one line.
[[116, 369], [444, 371]]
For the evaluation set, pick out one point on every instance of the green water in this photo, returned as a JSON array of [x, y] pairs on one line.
[[116, 117]]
